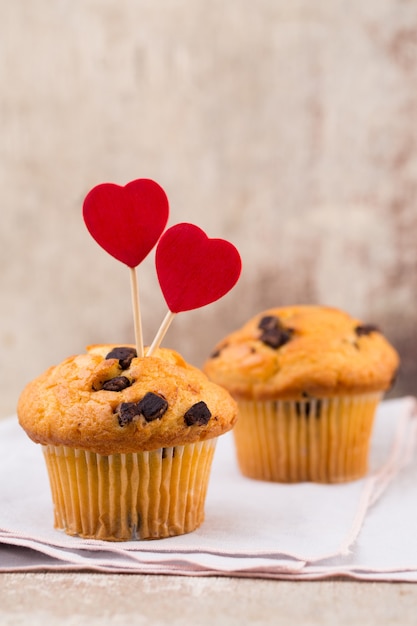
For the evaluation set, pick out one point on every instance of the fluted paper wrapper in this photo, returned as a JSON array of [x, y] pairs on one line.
[[122, 497], [322, 440]]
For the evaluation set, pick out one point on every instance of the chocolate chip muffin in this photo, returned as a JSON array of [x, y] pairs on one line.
[[307, 380], [128, 441]]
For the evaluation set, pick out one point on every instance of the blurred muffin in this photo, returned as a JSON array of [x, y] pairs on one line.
[[128, 442], [307, 380]]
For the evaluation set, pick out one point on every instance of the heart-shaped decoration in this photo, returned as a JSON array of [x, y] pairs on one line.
[[127, 221], [194, 270]]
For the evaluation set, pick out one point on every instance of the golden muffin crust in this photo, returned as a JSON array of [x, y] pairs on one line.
[[162, 402], [303, 351]]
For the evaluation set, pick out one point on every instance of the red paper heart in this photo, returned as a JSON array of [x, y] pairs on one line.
[[194, 270], [127, 221]]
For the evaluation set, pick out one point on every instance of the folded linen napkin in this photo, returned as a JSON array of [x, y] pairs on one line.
[[363, 529]]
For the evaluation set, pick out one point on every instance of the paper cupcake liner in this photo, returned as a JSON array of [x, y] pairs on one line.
[[323, 440], [122, 497]]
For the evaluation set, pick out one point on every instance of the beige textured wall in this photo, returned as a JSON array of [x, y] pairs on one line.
[[288, 127]]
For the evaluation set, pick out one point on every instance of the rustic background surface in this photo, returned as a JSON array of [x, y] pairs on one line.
[[287, 127]]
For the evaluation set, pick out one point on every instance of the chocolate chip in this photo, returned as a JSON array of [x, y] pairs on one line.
[[124, 354], [197, 415], [152, 406], [126, 412], [305, 409], [275, 339], [116, 384], [269, 322], [273, 333], [366, 329], [168, 453]]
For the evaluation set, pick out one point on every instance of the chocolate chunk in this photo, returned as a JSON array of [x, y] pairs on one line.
[[116, 384], [275, 339], [273, 333], [126, 412], [366, 329], [152, 406], [124, 354], [269, 322], [305, 409], [197, 415], [168, 453]]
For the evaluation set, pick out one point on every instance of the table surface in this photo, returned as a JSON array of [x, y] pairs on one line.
[[93, 599], [74, 599]]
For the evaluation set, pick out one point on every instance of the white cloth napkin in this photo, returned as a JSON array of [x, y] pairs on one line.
[[364, 529]]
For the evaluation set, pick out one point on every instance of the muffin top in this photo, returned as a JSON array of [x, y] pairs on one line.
[[109, 401], [300, 352]]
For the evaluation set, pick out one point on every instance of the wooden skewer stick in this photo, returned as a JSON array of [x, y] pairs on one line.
[[136, 311], [161, 333]]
